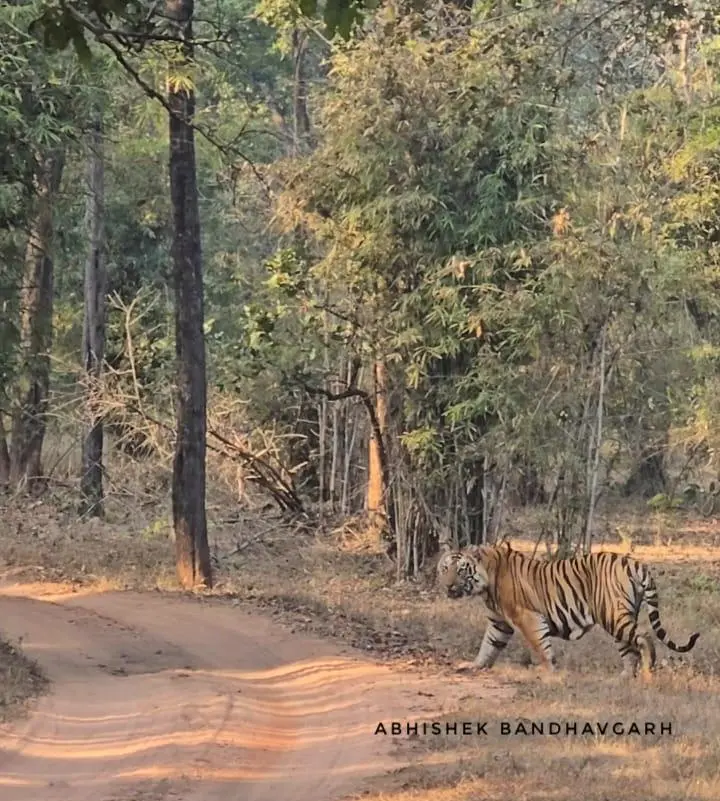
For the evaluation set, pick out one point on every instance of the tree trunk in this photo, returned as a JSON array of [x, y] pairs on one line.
[[188, 486], [474, 502], [335, 419], [29, 416], [596, 440], [4, 456], [376, 485], [301, 118], [93, 345], [380, 501]]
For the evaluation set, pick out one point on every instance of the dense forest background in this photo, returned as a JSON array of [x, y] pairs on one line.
[[423, 265]]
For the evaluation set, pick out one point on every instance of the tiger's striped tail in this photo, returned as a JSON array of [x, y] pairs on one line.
[[651, 598]]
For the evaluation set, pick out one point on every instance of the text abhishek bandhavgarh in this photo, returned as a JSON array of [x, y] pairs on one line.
[[526, 728]]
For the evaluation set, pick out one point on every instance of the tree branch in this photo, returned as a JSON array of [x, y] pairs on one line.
[[105, 37], [264, 474], [355, 392]]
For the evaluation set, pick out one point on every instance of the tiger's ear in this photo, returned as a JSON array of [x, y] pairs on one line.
[[508, 547]]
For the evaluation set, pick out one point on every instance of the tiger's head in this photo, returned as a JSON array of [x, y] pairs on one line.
[[462, 573]]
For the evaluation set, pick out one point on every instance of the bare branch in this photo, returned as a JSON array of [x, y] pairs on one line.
[[356, 392]]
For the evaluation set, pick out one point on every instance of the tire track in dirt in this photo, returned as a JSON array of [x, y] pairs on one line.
[[156, 698]]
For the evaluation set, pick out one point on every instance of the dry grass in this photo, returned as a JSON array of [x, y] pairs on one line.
[[337, 583], [20, 680], [681, 765]]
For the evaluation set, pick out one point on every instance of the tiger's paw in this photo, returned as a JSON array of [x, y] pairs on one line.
[[470, 667]]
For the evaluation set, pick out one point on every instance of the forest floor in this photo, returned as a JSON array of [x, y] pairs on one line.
[[334, 584]]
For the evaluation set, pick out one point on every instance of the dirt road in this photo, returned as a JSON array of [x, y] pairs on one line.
[[157, 698]]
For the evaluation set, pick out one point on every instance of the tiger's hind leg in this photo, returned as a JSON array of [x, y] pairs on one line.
[[618, 615], [536, 631], [646, 647], [630, 659], [635, 649], [497, 636]]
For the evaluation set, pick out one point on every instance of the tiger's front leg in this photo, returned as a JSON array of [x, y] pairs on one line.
[[536, 631], [497, 636]]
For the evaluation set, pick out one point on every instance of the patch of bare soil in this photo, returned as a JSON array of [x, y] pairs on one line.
[[157, 697]]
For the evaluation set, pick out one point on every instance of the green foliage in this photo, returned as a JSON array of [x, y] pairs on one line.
[[43, 107], [490, 210], [59, 26], [471, 231]]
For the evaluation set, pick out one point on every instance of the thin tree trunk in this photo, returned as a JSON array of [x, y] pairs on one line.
[[301, 119], [499, 506], [682, 45], [349, 433], [30, 416], [475, 502], [335, 455], [93, 345], [4, 456], [322, 413], [598, 443], [323, 427], [351, 428], [485, 498], [188, 486], [339, 423]]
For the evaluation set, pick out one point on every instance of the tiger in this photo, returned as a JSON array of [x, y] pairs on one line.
[[564, 599]]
